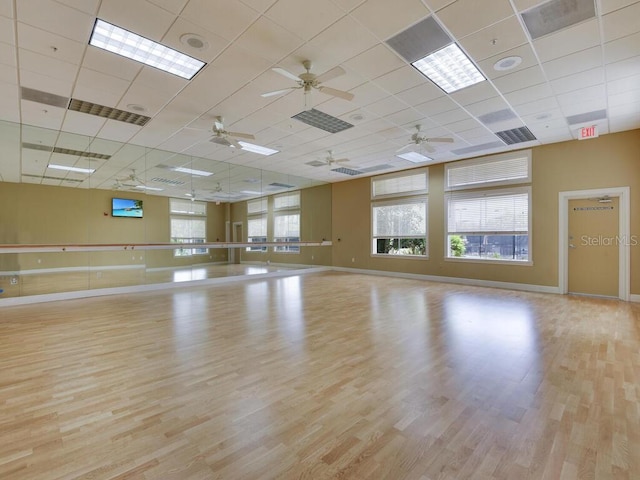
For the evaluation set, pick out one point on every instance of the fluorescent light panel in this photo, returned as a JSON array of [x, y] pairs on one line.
[[128, 44], [415, 157], [449, 68], [144, 187], [250, 147], [71, 169], [190, 171]]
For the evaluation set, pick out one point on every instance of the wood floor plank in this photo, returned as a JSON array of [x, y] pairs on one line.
[[318, 376]]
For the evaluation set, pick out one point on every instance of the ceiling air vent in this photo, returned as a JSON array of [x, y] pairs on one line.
[[108, 112], [420, 40], [44, 97], [498, 116], [322, 120], [281, 185], [587, 117], [65, 151], [347, 171], [48, 177], [375, 168], [555, 15], [167, 181], [516, 135], [477, 148]]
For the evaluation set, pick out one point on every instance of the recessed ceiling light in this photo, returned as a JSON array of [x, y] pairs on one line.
[[136, 108], [71, 169], [357, 117], [194, 40], [507, 63], [250, 147], [414, 157], [200, 173], [128, 44], [144, 187], [449, 68]]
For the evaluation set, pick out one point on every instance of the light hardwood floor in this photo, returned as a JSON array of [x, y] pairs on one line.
[[328, 375]]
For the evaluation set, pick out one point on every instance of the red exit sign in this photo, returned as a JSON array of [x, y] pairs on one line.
[[588, 132]]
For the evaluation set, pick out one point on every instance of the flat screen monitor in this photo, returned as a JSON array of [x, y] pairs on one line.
[[126, 207]]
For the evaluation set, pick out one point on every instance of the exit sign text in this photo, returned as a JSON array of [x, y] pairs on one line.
[[588, 132]]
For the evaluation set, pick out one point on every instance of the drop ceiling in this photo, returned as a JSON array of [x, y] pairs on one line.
[[581, 74]]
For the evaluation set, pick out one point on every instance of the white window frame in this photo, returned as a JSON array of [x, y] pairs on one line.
[[418, 195], [257, 209], [294, 208], [487, 189], [188, 214]]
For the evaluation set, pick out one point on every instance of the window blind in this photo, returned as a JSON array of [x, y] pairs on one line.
[[179, 206], [407, 219], [258, 205], [486, 172], [489, 213], [287, 200], [400, 185]]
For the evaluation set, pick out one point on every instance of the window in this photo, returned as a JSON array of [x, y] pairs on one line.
[[286, 221], [257, 223], [399, 214], [489, 223], [188, 225]]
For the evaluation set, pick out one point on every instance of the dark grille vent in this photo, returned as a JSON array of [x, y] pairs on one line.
[[323, 121], [108, 112], [44, 97], [552, 16], [347, 171], [516, 135], [66, 151]]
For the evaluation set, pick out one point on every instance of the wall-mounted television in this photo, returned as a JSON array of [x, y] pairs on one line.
[[126, 207]]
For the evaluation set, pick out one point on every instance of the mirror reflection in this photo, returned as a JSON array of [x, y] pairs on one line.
[[80, 213]]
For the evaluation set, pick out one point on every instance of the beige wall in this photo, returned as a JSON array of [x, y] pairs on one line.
[[315, 225], [39, 214], [608, 161]]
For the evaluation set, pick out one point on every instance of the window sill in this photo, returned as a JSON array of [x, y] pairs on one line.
[[411, 257], [526, 263]]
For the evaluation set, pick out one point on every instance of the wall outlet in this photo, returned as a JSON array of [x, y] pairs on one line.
[[14, 280], [353, 259]]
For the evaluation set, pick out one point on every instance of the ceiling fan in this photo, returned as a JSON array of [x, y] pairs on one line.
[[123, 183], [308, 81], [421, 141], [329, 160], [223, 137]]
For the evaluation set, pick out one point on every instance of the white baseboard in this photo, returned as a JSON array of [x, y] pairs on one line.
[[525, 287], [634, 298]]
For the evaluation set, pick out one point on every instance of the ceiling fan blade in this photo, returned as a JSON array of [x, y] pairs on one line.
[[234, 143], [336, 93], [218, 125], [330, 74], [248, 136], [440, 139], [286, 73], [341, 160], [277, 92]]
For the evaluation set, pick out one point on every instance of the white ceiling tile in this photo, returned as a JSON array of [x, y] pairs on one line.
[[539, 107], [505, 125], [529, 94], [9, 105], [86, 6], [421, 94], [487, 106], [452, 116], [629, 96], [622, 48], [624, 85], [6, 9], [464, 125], [206, 13], [384, 18], [589, 101], [408, 115], [46, 84], [621, 23], [118, 131], [475, 93], [495, 39], [621, 123], [268, 40], [576, 62], [40, 115], [468, 16], [624, 68], [578, 81], [173, 6], [522, 5], [7, 31], [343, 40], [317, 16], [44, 65], [99, 88], [50, 44], [215, 44], [524, 51], [111, 64], [141, 17], [8, 75], [521, 79], [374, 62], [8, 55], [386, 106], [400, 80], [625, 109], [570, 40], [83, 124], [608, 6], [434, 107], [259, 5], [55, 18]]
